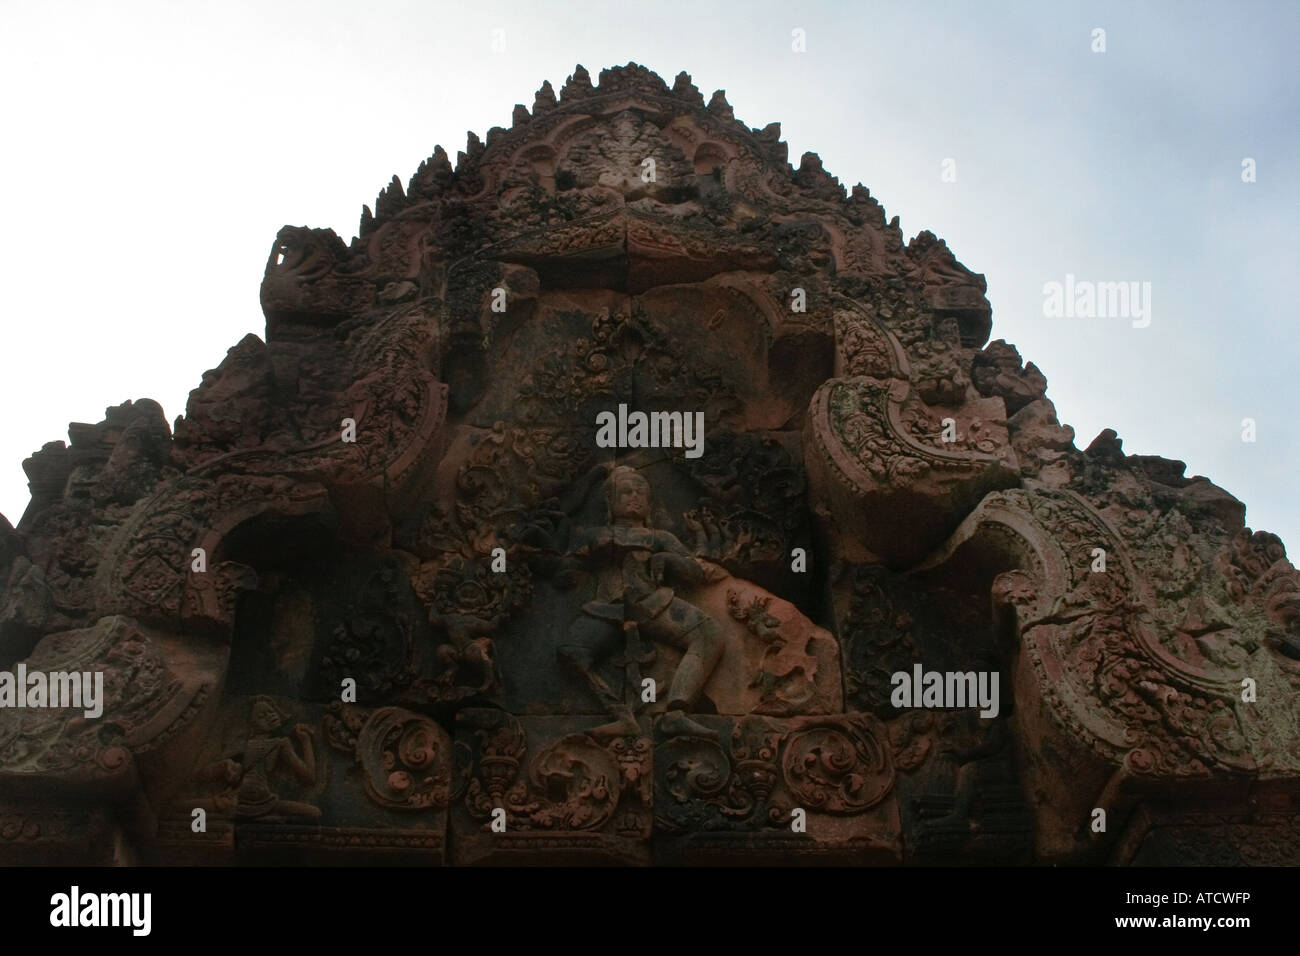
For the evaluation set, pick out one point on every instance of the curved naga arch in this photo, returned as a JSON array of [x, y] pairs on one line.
[[1118, 694]]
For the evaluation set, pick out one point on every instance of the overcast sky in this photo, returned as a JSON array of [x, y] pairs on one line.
[[151, 150]]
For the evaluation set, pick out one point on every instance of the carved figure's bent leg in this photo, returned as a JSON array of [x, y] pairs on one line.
[[687, 627], [595, 640]]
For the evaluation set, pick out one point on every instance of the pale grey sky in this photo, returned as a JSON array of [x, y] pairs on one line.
[[153, 149]]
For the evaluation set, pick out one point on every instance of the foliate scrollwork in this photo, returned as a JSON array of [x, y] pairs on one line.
[[1109, 666], [837, 767], [756, 504], [404, 758], [373, 640], [142, 704], [508, 480], [840, 766], [573, 783], [868, 452], [878, 641], [1256, 570], [692, 776], [624, 349], [863, 348], [578, 784]]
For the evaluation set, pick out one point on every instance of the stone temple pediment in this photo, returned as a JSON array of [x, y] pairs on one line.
[[831, 583]]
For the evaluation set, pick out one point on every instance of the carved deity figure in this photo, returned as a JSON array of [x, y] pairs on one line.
[[265, 756], [981, 751], [635, 566]]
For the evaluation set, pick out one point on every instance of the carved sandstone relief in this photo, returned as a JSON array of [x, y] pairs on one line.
[[383, 593]]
